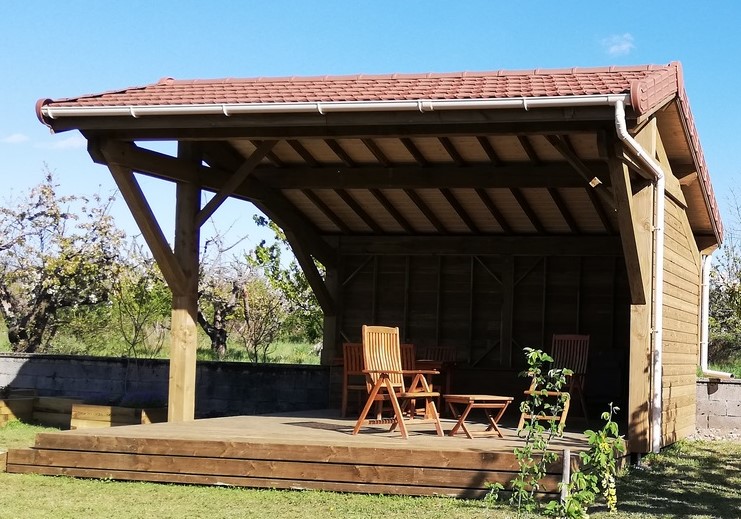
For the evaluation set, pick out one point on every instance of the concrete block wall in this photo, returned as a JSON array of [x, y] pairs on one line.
[[719, 404], [222, 388]]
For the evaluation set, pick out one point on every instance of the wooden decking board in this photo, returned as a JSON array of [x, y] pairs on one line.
[[306, 451]]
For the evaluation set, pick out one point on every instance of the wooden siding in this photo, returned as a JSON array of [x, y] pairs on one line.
[[682, 278], [489, 307]]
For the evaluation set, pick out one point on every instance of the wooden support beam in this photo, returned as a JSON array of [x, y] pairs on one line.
[[128, 155], [600, 210], [377, 152], [561, 245], [507, 316], [332, 335], [318, 286], [149, 227], [340, 152], [635, 227], [303, 153], [585, 170], [424, 175], [271, 156], [183, 333], [237, 179]]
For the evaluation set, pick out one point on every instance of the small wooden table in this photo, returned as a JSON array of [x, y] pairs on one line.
[[485, 402]]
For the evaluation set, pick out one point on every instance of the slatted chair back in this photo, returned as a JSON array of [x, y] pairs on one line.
[[382, 352], [571, 352], [438, 353], [408, 356], [352, 371]]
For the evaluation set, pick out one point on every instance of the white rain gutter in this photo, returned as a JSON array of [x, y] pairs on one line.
[[618, 101], [421, 105], [657, 313], [705, 322]]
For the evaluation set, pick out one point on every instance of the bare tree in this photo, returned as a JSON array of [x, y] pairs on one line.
[[260, 316]]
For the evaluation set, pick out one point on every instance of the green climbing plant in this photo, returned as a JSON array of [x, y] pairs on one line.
[[534, 456]]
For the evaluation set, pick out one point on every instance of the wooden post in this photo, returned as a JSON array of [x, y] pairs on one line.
[[183, 335]]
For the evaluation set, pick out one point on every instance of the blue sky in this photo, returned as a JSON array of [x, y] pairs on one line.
[[57, 49]]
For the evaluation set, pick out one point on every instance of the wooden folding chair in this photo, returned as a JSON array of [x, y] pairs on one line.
[[352, 370], [572, 352], [385, 379]]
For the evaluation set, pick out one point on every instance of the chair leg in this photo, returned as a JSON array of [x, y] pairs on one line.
[[397, 412], [368, 404]]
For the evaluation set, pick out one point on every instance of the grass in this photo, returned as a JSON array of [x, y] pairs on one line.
[[732, 365], [695, 480]]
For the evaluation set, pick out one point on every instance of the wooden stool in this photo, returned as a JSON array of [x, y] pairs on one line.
[[485, 402]]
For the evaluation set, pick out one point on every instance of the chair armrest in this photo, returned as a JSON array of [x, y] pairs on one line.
[[420, 372], [394, 371]]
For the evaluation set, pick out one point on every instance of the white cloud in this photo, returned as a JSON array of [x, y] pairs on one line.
[[619, 44], [70, 143], [14, 138]]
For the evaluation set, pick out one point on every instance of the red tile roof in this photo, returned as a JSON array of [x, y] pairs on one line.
[[649, 86], [465, 85]]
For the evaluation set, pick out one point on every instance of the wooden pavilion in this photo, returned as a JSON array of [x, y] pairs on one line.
[[477, 211]]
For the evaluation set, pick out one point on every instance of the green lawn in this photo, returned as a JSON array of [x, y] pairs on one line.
[[690, 480]]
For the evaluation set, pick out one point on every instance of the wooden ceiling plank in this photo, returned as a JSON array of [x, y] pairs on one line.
[[303, 152], [391, 209], [460, 210], [326, 210], [495, 212], [338, 150], [358, 209], [489, 150], [377, 152], [564, 210], [423, 207], [525, 206], [414, 151], [452, 151], [529, 149], [235, 180]]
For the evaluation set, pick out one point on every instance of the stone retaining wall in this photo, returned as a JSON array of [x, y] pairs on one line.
[[222, 388], [719, 404]]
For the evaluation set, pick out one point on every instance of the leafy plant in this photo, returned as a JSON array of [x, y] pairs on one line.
[[534, 456]]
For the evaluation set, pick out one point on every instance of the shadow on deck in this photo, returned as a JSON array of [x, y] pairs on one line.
[[298, 451]]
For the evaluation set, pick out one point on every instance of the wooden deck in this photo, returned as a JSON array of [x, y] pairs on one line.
[[300, 451]]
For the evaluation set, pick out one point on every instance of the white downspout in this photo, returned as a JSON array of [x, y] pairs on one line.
[[657, 320], [705, 322]]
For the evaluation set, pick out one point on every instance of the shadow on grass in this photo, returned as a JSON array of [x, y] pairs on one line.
[[687, 480]]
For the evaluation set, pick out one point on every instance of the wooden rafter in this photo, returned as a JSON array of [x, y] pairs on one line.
[[414, 151], [489, 150], [424, 208], [525, 206], [563, 209], [338, 150], [391, 209], [452, 151], [358, 209], [459, 210], [235, 180], [152, 163], [326, 210], [303, 153], [529, 149], [496, 213], [377, 152]]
